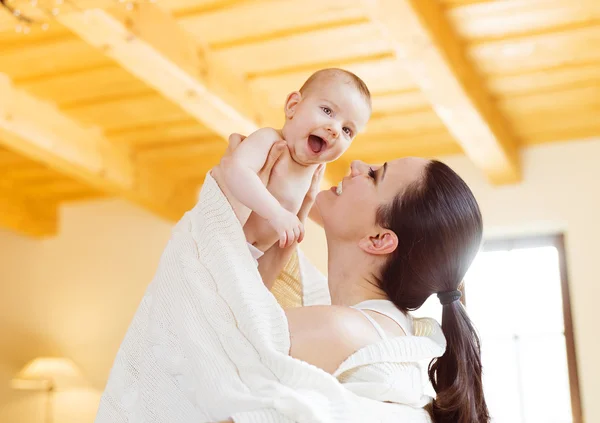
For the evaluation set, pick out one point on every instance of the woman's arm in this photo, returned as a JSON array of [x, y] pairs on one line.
[[272, 263], [315, 215]]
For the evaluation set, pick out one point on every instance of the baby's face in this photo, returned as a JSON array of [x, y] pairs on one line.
[[322, 123]]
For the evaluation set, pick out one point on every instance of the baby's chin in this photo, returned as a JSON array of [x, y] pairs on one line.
[[301, 154], [313, 159], [307, 161]]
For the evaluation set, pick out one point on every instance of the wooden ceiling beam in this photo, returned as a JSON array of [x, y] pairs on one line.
[[25, 215], [429, 49], [37, 130], [150, 44]]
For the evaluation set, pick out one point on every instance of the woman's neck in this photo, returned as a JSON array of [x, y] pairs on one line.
[[350, 276]]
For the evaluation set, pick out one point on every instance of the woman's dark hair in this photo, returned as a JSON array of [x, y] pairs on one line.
[[439, 228]]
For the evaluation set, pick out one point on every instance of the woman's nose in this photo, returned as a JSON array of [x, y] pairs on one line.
[[357, 168]]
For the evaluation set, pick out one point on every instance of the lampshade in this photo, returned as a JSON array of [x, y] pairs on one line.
[[48, 373]]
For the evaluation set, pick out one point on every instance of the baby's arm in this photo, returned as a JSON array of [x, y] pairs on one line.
[[241, 169]]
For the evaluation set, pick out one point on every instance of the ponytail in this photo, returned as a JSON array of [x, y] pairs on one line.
[[457, 375], [439, 228]]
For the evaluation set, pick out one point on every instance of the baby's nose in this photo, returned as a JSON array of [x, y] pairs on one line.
[[333, 129]]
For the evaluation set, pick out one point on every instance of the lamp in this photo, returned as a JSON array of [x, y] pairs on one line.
[[48, 374]]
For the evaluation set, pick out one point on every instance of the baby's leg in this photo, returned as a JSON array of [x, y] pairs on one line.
[[259, 233]]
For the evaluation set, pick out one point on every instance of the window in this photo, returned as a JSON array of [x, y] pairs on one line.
[[516, 293]]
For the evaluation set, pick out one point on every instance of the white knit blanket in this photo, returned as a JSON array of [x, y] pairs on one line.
[[209, 342]]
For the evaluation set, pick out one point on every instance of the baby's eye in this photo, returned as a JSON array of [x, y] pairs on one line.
[[348, 131], [327, 110], [371, 173]]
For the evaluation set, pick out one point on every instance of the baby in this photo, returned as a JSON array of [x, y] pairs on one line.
[[321, 121]]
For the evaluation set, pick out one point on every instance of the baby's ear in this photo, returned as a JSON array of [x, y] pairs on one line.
[[292, 101]]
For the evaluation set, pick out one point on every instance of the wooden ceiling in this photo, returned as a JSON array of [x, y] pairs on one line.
[[136, 99]]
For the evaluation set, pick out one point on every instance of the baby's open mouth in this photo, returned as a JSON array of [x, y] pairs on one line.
[[316, 143]]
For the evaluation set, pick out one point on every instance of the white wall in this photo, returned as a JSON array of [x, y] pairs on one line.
[[74, 295], [560, 192]]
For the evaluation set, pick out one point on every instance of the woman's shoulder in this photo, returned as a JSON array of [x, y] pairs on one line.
[[329, 336], [326, 335]]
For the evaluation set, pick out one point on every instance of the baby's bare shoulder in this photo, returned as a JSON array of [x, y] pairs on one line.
[[254, 150], [265, 134]]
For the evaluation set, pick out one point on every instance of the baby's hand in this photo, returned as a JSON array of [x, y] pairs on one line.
[[288, 227]]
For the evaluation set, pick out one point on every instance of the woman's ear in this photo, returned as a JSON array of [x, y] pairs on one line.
[[384, 242], [292, 101]]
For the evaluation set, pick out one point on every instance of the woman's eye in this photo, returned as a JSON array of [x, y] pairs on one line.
[[327, 110], [371, 173], [348, 131]]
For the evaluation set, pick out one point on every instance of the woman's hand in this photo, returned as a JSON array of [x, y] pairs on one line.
[[275, 258], [311, 195]]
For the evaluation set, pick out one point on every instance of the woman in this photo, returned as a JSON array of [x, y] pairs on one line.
[[209, 340], [415, 233]]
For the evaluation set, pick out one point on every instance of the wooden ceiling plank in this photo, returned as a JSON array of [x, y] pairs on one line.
[[44, 190], [38, 130], [545, 80], [78, 197], [413, 121], [27, 173], [10, 160], [538, 52], [100, 84], [183, 7], [189, 170], [10, 38], [557, 101], [330, 45], [149, 43], [556, 120], [251, 22], [399, 101], [578, 132], [432, 53], [163, 135], [50, 58], [514, 19], [148, 109], [391, 146], [182, 151], [382, 75]]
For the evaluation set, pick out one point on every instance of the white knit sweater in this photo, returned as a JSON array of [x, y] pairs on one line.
[[209, 342]]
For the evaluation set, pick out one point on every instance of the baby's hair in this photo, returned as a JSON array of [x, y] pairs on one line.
[[336, 73]]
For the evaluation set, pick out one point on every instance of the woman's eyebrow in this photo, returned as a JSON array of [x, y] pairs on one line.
[[384, 167]]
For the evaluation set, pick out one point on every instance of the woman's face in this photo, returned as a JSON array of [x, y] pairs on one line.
[[350, 215]]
